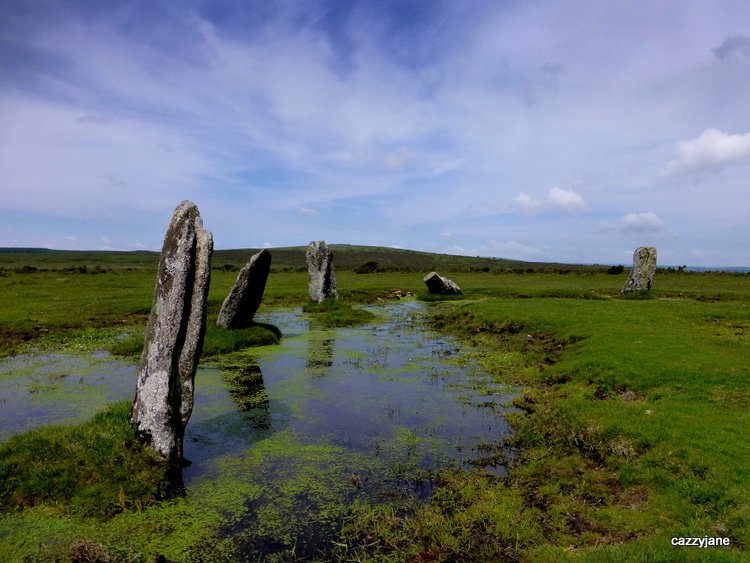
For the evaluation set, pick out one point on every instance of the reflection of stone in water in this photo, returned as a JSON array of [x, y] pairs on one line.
[[246, 387], [320, 346]]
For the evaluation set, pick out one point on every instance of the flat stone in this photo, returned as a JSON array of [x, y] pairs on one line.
[[440, 285], [163, 399], [320, 267], [243, 300], [644, 266]]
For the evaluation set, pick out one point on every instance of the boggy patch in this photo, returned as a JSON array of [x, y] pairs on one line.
[[726, 328], [285, 438], [510, 349]]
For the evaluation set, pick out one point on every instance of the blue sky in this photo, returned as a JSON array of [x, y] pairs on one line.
[[558, 130]]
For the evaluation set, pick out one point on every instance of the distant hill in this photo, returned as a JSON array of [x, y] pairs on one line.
[[350, 257], [346, 257]]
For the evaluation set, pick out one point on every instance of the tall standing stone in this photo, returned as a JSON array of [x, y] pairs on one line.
[[320, 267], [644, 267], [163, 399], [442, 286], [244, 299]]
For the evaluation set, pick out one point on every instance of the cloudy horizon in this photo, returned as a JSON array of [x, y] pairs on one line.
[[563, 130]]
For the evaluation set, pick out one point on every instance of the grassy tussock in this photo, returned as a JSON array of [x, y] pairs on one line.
[[333, 312], [96, 469]]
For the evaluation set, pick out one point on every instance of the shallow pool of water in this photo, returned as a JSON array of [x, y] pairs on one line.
[[301, 429]]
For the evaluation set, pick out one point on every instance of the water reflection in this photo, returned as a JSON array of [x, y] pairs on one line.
[[246, 387], [320, 347]]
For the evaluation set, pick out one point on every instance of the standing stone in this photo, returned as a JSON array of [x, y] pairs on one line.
[[440, 285], [174, 337], [320, 267], [644, 266], [244, 299]]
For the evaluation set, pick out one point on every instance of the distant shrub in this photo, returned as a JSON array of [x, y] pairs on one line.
[[614, 270], [369, 267]]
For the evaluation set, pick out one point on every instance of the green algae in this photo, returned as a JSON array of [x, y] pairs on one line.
[[286, 439]]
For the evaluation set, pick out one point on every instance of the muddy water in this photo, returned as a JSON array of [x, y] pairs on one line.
[[300, 431]]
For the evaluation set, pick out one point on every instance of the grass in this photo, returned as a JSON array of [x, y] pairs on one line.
[[218, 340], [629, 433], [95, 470], [630, 429], [333, 313]]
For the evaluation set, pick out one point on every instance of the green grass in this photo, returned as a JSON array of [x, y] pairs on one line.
[[631, 430], [96, 469], [631, 427], [221, 340], [333, 313]]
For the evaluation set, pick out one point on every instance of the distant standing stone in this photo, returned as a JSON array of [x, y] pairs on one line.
[[163, 399], [644, 267], [440, 285], [244, 299], [320, 267]]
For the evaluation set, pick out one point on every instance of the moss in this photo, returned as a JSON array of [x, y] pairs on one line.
[[97, 469], [335, 313]]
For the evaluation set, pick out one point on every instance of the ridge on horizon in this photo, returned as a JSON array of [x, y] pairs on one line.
[[349, 256]]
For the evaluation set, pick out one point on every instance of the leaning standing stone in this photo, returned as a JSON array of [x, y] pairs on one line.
[[320, 267], [244, 299], [174, 337], [440, 285], [644, 267]]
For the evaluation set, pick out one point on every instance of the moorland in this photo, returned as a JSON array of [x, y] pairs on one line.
[[630, 416]]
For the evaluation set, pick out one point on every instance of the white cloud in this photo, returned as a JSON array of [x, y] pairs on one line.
[[566, 201], [642, 222], [527, 203], [309, 212], [712, 149]]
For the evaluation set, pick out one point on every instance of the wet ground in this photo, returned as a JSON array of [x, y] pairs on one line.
[[303, 429]]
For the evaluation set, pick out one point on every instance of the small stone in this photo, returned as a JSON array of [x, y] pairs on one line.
[[163, 399], [440, 285], [243, 300], [320, 267], [644, 267]]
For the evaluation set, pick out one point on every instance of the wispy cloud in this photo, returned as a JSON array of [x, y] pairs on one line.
[[642, 222], [527, 203], [566, 201], [405, 118], [734, 47], [647, 222]]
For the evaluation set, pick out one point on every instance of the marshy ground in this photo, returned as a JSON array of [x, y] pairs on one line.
[[629, 417]]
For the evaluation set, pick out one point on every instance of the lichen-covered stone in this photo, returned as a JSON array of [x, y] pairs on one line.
[[440, 285], [163, 399], [320, 267], [644, 267], [243, 300]]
